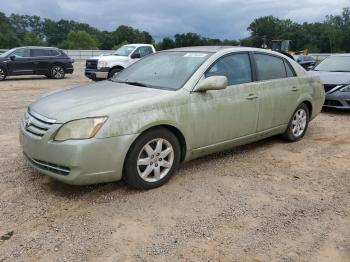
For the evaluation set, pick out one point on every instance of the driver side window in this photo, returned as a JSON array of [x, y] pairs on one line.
[[22, 52], [235, 67]]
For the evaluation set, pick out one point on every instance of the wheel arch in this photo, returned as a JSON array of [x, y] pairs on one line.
[[116, 66], [4, 68], [309, 106]]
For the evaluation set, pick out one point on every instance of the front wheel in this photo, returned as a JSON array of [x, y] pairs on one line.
[[152, 159], [298, 124], [57, 72], [2, 74], [113, 72]]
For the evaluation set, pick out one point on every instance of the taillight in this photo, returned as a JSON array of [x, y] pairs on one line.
[[70, 61]]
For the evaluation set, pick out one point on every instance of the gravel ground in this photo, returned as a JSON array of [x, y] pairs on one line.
[[267, 201]]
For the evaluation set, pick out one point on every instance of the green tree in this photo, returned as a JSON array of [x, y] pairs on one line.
[[115, 47], [79, 40], [8, 36]]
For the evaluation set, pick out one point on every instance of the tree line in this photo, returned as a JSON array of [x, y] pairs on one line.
[[331, 35]]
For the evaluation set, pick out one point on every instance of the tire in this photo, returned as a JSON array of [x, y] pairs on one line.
[[57, 72], [3, 74], [149, 165], [113, 72], [298, 124]]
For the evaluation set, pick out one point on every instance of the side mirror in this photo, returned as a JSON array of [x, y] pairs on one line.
[[212, 83], [136, 55], [13, 57], [310, 67]]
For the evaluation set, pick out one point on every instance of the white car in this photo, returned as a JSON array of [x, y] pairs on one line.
[[106, 66]]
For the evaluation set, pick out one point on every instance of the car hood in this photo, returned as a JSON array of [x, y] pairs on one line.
[[333, 78], [98, 99], [111, 58]]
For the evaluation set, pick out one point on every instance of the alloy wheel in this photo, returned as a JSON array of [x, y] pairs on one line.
[[2, 74], [57, 72], [155, 160], [299, 122]]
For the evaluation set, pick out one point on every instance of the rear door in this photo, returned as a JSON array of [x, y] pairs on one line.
[[223, 115], [42, 59], [22, 64], [278, 90]]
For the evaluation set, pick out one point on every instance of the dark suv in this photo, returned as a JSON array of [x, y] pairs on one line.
[[49, 61]]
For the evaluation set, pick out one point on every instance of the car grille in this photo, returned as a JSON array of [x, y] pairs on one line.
[[332, 103], [328, 88], [36, 124], [91, 64], [57, 169]]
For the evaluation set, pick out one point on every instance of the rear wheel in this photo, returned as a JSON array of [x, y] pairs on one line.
[[152, 159], [57, 72], [298, 124], [2, 74]]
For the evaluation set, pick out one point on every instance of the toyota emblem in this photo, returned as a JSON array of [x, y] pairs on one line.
[[27, 123]]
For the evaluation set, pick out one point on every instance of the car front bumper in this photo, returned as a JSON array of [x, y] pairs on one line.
[[77, 162], [338, 99], [97, 73]]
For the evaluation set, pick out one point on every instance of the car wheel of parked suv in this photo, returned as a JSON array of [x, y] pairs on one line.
[[2, 74], [57, 72], [298, 124], [152, 159]]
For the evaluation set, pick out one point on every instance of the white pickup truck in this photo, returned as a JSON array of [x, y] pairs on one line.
[[105, 66]]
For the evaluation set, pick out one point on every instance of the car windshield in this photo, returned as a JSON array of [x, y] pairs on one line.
[[7, 52], [164, 70], [124, 50], [335, 64]]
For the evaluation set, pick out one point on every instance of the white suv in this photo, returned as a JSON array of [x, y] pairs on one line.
[[105, 66]]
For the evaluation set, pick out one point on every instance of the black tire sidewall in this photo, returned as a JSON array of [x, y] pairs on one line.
[[289, 133], [130, 173], [52, 75]]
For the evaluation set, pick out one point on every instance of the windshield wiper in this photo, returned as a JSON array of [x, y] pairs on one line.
[[132, 83], [341, 71]]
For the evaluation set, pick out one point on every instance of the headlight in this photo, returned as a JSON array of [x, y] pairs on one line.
[[345, 89], [101, 64], [80, 129]]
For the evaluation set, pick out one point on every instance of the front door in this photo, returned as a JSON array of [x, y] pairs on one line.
[[224, 115], [22, 63]]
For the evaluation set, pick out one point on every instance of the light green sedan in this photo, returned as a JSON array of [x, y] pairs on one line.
[[169, 107]]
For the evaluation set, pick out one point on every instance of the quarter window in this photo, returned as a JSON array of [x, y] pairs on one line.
[[269, 67], [235, 67]]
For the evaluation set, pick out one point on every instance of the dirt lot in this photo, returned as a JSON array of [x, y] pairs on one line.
[[266, 201]]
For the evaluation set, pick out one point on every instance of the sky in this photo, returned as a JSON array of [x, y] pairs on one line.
[[224, 19]]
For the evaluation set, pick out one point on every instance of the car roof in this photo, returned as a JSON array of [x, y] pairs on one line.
[[216, 49], [347, 54], [138, 45], [41, 47]]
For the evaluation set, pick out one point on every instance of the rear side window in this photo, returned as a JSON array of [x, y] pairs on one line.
[[269, 67], [43, 52], [235, 67], [290, 71]]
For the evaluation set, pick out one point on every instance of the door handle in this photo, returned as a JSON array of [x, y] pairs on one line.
[[294, 89], [252, 96]]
